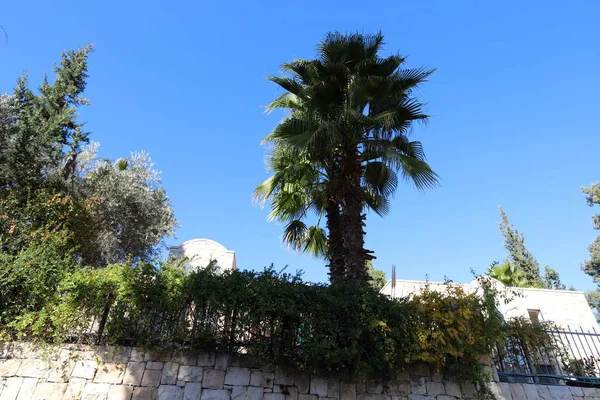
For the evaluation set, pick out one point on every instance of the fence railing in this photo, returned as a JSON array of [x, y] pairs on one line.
[[573, 359]]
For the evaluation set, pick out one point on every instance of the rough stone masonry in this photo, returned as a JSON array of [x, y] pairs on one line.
[[73, 372]]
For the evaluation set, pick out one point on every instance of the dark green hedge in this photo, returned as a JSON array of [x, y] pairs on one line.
[[347, 328]]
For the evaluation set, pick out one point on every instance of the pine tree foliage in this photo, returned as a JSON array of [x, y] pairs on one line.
[[520, 267]]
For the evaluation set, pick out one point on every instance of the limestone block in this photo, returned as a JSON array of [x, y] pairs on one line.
[[158, 355], [398, 388], [501, 390], [24, 350], [133, 373], [9, 368], [192, 391], [185, 357], [85, 369], [333, 388], [110, 373], [28, 388], [560, 392], [120, 392], [374, 387], [437, 377], [5, 352], [435, 388], [543, 392], [48, 390], [170, 392], [469, 391], [262, 378], [190, 373], [137, 355], [302, 380], [444, 397], [121, 354], [347, 390], [318, 386], [210, 394], [213, 379], [62, 367], [452, 389], [590, 392], [170, 373], [254, 393], [292, 393], [157, 365], [308, 397], [151, 377], [222, 361], [144, 393], [368, 396], [239, 392], [517, 391], [206, 359], [417, 385], [530, 392], [236, 376], [284, 377], [274, 396], [34, 368], [576, 391], [105, 353], [83, 353], [74, 389], [11, 388], [419, 397], [95, 391]]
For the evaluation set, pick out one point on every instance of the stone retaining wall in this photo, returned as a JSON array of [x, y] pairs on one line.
[[73, 372]]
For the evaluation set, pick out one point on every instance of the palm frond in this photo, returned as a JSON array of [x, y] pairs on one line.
[[380, 178], [417, 172], [315, 242], [288, 84], [294, 233]]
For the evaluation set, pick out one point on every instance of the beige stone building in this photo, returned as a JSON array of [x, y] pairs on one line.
[[566, 308], [199, 253]]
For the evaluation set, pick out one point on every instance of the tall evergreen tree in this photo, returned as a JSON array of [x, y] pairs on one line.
[[45, 129], [518, 255], [521, 263], [592, 265]]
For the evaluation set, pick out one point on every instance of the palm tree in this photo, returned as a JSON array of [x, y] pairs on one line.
[[297, 188], [350, 112], [508, 275]]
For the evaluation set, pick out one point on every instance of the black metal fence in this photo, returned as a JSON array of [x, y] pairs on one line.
[[574, 359]]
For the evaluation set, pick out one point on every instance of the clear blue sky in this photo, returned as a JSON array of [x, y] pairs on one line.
[[514, 106]]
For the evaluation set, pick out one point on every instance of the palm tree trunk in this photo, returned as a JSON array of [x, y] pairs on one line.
[[335, 245], [352, 218]]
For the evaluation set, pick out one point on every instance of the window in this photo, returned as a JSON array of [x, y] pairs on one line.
[[534, 316]]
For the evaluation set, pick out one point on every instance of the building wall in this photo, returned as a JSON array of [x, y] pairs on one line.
[[70, 372], [568, 309], [200, 252]]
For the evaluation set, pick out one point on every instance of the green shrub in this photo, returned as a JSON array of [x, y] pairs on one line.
[[346, 328]]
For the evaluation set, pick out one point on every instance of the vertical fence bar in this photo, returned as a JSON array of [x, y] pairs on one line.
[[590, 356], [597, 354], [575, 342]]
